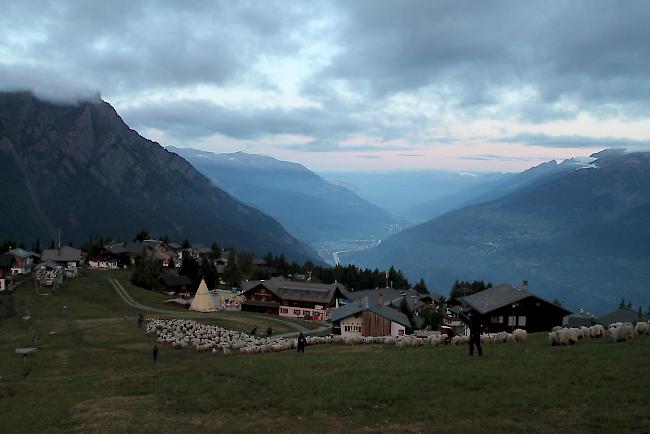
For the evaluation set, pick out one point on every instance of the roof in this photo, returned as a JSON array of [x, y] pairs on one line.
[[285, 289], [22, 253], [392, 297], [578, 320], [181, 280], [180, 301], [622, 314], [363, 305], [498, 296], [129, 247], [64, 254], [47, 264]]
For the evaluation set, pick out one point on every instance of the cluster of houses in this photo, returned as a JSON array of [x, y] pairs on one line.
[[48, 268], [382, 311]]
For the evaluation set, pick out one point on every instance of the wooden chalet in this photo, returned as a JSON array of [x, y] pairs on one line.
[[505, 308], [292, 299], [366, 317]]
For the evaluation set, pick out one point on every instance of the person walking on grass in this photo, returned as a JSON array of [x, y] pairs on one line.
[[254, 330], [140, 321], [155, 353], [473, 322], [301, 343], [269, 332]]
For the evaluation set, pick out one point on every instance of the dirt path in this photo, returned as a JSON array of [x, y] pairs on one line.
[[124, 295]]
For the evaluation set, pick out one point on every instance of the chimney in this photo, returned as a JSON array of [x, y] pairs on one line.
[[380, 299], [524, 285]]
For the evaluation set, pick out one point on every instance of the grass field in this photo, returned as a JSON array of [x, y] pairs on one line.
[[95, 374]]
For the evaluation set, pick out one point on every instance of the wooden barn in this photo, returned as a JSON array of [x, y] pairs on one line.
[[365, 317], [505, 308]]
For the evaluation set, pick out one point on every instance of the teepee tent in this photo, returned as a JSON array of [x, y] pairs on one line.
[[203, 300]]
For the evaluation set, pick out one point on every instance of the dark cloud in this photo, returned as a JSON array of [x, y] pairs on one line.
[[201, 118], [123, 46], [536, 139], [463, 60], [561, 57]]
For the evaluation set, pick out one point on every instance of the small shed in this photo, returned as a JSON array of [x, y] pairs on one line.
[[365, 317]]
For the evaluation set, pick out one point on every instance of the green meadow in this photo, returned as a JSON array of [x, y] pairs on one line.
[[94, 373]]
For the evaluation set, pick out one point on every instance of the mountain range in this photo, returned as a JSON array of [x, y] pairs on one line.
[[79, 168], [579, 232], [307, 205]]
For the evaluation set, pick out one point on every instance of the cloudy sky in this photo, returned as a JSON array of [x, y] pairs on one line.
[[369, 85]]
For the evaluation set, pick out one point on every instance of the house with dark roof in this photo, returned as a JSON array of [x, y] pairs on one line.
[[66, 256], [622, 314], [22, 260], [126, 252], [176, 284], [369, 317], [505, 308], [291, 299]]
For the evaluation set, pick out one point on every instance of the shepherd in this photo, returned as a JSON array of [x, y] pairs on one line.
[[301, 343], [473, 322], [155, 353]]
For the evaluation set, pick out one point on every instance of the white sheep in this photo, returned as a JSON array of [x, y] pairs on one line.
[[641, 328], [519, 335], [597, 331]]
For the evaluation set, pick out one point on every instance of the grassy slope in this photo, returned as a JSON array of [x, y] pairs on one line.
[[96, 375]]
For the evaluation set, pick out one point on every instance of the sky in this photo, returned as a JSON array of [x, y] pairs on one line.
[[349, 85]]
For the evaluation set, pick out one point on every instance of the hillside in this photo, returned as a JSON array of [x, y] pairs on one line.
[[307, 205], [80, 168], [579, 235]]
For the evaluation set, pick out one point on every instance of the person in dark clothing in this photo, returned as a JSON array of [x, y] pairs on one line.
[[140, 321], [155, 353], [473, 322], [301, 343], [269, 332], [254, 330]]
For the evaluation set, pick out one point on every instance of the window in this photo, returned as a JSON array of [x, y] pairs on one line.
[[522, 321], [296, 311], [495, 320], [501, 319], [512, 320]]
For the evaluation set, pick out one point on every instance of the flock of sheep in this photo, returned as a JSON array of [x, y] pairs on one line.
[[182, 334], [616, 332], [203, 337]]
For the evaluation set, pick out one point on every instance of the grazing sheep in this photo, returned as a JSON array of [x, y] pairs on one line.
[[641, 328], [619, 332], [519, 335], [554, 338], [597, 331]]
